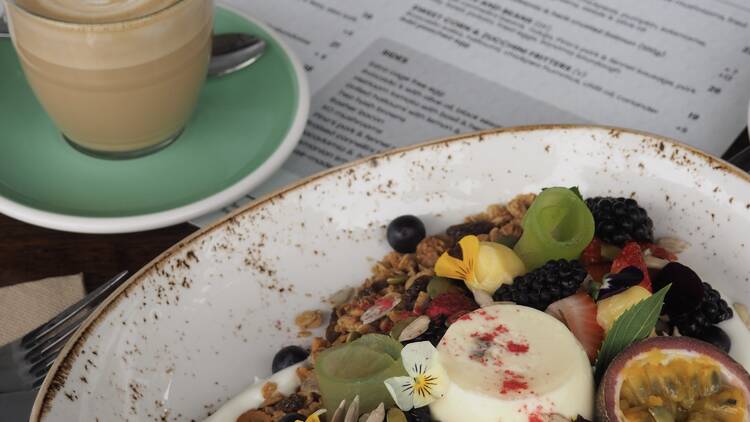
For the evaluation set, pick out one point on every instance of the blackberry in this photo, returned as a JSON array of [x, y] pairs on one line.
[[420, 414], [620, 220], [435, 332], [712, 310], [548, 283]]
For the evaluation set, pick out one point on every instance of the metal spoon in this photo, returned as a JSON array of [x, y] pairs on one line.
[[229, 52], [234, 51]]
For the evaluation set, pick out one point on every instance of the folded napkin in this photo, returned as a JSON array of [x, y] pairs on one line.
[[25, 306]]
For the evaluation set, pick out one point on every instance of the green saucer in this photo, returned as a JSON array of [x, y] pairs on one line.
[[245, 126]]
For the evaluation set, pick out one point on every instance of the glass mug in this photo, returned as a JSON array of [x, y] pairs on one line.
[[119, 78]]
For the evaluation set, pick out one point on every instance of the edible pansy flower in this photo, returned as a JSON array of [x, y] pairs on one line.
[[314, 417], [482, 265], [426, 382]]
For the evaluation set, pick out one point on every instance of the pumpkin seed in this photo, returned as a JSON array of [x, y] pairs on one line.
[[509, 241], [353, 336], [440, 285], [397, 279], [395, 415]]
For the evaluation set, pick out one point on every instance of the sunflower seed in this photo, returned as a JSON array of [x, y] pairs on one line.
[[340, 297], [380, 308], [415, 328], [672, 244]]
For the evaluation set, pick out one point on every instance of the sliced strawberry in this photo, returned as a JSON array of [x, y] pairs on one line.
[[631, 256], [578, 313], [593, 253], [597, 271], [658, 251]]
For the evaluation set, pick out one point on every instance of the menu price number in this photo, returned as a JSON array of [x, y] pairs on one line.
[[713, 89], [728, 74]]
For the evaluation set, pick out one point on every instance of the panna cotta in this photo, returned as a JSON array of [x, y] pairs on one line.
[[509, 363]]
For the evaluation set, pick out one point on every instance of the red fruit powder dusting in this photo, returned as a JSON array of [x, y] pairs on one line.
[[513, 382], [517, 348]]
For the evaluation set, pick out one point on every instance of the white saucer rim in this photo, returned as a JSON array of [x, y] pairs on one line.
[[181, 214]]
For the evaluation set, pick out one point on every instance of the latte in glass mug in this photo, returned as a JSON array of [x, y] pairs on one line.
[[119, 78]]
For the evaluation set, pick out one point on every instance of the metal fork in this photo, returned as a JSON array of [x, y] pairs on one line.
[[24, 363]]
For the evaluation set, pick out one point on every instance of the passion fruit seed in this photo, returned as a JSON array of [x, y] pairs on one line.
[[676, 379]]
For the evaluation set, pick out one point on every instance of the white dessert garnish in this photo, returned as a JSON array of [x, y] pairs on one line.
[[513, 363], [286, 382]]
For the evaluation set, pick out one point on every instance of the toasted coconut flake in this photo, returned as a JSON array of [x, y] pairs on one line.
[[415, 328], [380, 308], [673, 245]]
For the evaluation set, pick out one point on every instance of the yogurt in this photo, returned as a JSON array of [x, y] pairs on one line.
[[510, 363]]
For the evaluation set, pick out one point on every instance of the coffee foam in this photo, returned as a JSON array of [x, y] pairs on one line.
[[110, 45], [94, 11]]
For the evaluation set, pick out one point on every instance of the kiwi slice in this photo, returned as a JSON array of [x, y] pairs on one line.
[[673, 379]]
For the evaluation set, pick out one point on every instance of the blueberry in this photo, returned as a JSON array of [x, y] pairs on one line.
[[287, 357], [717, 337], [405, 232], [292, 417]]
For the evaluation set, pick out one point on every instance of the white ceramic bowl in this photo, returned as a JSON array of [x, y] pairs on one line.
[[196, 325]]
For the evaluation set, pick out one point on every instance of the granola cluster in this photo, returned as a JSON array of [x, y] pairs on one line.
[[397, 288]]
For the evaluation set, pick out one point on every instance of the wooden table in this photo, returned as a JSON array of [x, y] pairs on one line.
[[29, 253]]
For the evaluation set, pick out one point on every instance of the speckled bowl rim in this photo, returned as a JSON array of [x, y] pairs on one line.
[[58, 373]]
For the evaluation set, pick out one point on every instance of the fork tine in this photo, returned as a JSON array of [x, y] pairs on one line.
[[39, 333], [41, 350], [41, 368]]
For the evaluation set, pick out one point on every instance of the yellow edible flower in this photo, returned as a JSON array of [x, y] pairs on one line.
[[483, 265], [314, 417]]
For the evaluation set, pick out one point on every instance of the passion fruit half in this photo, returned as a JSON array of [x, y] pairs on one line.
[[673, 379]]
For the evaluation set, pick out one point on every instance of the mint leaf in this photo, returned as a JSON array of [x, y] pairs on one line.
[[633, 325]]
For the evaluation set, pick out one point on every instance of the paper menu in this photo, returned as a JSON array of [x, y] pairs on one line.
[[391, 73]]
